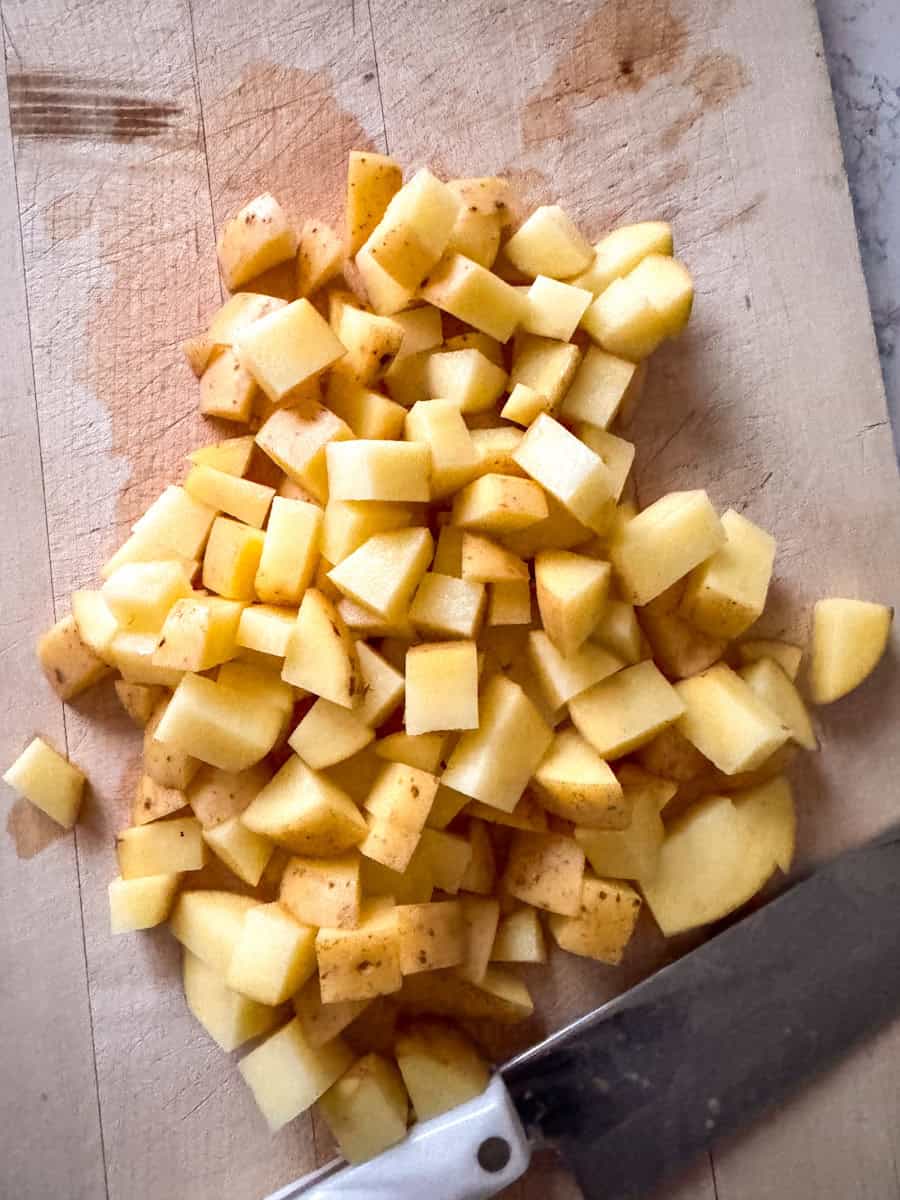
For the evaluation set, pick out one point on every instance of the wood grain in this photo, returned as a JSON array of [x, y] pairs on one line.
[[717, 116]]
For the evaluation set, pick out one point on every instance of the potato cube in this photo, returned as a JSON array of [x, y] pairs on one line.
[[621, 250], [349, 523], [546, 871], [162, 848], [290, 551], [777, 692], [140, 903], [69, 664], [227, 389], [448, 856], [241, 498], [520, 938], [153, 801], [232, 559], [259, 684], [545, 366], [214, 722], [667, 285], [320, 257], [385, 571], [571, 472], [438, 424], [372, 343], [509, 603], [671, 755], [554, 308], [235, 315], [494, 762], [415, 229], [229, 1018], [369, 414], [624, 322], [328, 734], [481, 872], [94, 623], [618, 631], [561, 677], [208, 924], [365, 623], [625, 711], [484, 561], [849, 638], [274, 955], [167, 765], [323, 891], [422, 330], [602, 385], [379, 470], [296, 439], [549, 243], [442, 687], [524, 405], [678, 648], [322, 1022], [385, 295], [574, 782], [476, 235], [287, 1075], [266, 629], [499, 504], [431, 936], [440, 1067], [286, 348], [49, 781], [305, 812], [485, 194], [445, 607], [138, 699], [727, 722], [494, 449], [560, 530], [361, 963], [383, 686], [372, 181], [571, 594], [216, 796], [616, 453], [139, 595], [604, 925], [421, 750], [415, 885], [199, 633], [244, 852], [321, 656], [466, 377], [633, 852], [480, 916], [258, 238], [366, 1109], [397, 808], [475, 295], [727, 592], [786, 655]]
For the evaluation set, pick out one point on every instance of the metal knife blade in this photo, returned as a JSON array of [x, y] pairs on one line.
[[637, 1088]]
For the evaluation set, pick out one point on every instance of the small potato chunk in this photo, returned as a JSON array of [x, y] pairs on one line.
[[549, 243], [383, 686], [153, 801], [466, 377], [141, 903], [379, 470], [286, 1075], [138, 699], [199, 633], [175, 526], [445, 607], [139, 595], [287, 348], [236, 314], [296, 439], [369, 414], [431, 936], [561, 677], [242, 851], [480, 916], [320, 257], [372, 182], [494, 449], [484, 561], [69, 665], [215, 723], [571, 472], [414, 231], [274, 955], [94, 623], [133, 654], [49, 781], [727, 593], [625, 711], [475, 295], [323, 891], [633, 852], [259, 685], [786, 655], [266, 629], [349, 523], [524, 405], [727, 722], [361, 963], [322, 1022], [208, 924], [441, 1068], [229, 1018], [397, 808], [290, 551], [520, 938], [621, 250], [618, 631], [232, 559], [617, 453], [372, 343], [366, 1109], [545, 366], [328, 734], [778, 693], [672, 756], [258, 238], [385, 295], [546, 871], [603, 385], [448, 856], [438, 424], [668, 286], [241, 498], [603, 927], [571, 593], [321, 656], [415, 885], [574, 782], [305, 812], [560, 530], [476, 235], [500, 997], [481, 873], [679, 649], [441, 687], [421, 750], [509, 603], [623, 321], [554, 308], [849, 638], [499, 504], [384, 572], [527, 814], [227, 389], [168, 766], [164, 847]]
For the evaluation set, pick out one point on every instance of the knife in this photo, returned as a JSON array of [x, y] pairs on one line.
[[634, 1090]]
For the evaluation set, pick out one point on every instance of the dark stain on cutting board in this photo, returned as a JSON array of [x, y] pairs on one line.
[[66, 107]]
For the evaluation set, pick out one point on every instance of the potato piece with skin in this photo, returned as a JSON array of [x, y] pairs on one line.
[[152, 801], [440, 1067], [258, 238], [397, 807], [290, 551], [527, 814], [468, 291], [786, 655], [94, 623], [849, 638], [273, 957], [385, 295], [384, 572], [679, 649], [415, 229], [323, 891], [501, 996], [372, 343], [379, 470], [448, 856], [372, 182], [544, 365], [68, 664], [415, 885], [328, 734], [445, 607], [245, 853], [365, 623], [164, 847], [321, 656], [480, 916], [484, 194], [215, 722], [304, 811], [141, 903], [621, 713], [366, 1110], [235, 315], [571, 593], [633, 852], [322, 1022], [320, 257], [727, 592], [383, 686], [499, 504], [199, 633], [441, 687], [605, 924], [287, 348], [438, 424], [446, 807], [620, 251], [232, 559], [229, 1018], [199, 352], [369, 414], [777, 692], [554, 308], [466, 377], [431, 936], [49, 781], [546, 871], [138, 699], [421, 750], [287, 1075], [476, 235], [560, 530], [231, 455], [575, 783], [481, 872], [361, 963], [509, 603], [520, 938], [570, 471], [296, 439], [727, 722], [672, 756], [549, 243], [168, 766]]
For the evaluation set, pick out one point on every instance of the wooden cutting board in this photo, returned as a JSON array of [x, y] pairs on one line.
[[127, 134]]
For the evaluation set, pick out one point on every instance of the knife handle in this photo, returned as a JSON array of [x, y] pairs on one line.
[[469, 1153]]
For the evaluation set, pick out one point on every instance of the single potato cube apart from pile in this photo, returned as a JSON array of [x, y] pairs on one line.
[[417, 679]]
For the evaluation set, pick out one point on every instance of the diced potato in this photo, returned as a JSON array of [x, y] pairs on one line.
[[625, 711], [208, 924], [164, 847], [139, 595], [138, 699], [69, 664], [258, 238], [328, 734], [573, 474], [554, 308], [727, 722], [415, 885], [199, 352], [322, 1022], [365, 623], [520, 938], [631, 853], [486, 194], [624, 322], [174, 522], [229, 1018], [439, 425], [545, 366], [287, 1075], [618, 631], [720, 853], [441, 1068], [480, 917], [259, 684], [500, 997], [290, 551], [369, 414], [153, 801], [385, 295], [266, 629], [199, 633], [602, 386], [499, 504], [288, 347], [672, 756], [571, 593], [217, 796], [560, 530], [449, 857], [213, 722], [778, 693], [562, 677], [476, 235], [232, 559], [527, 814], [274, 955], [244, 852], [481, 872], [227, 389], [475, 295], [349, 523], [441, 687], [549, 243], [305, 812], [361, 963], [236, 314], [447, 805], [383, 687], [372, 182], [167, 765], [786, 655], [49, 781], [94, 623], [237, 497], [233, 454], [320, 257], [366, 1109], [422, 330], [494, 450], [574, 782], [546, 871], [727, 592], [140, 903], [397, 808], [323, 891], [616, 453], [849, 638], [603, 927], [133, 654], [679, 649], [379, 470], [466, 377], [445, 607], [422, 750], [384, 572], [296, 439], [372, 343], [431, 936], [509, 603], [494, 762], [621, 250], [667, 285], [414, 231], [321, 656], [524, 405]]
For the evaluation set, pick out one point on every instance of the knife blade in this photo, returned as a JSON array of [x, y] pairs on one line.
[[633, 1091]]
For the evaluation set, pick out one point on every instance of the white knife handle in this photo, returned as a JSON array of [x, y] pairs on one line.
[[469, 1153]]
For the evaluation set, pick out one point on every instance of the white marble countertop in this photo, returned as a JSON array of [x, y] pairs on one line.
[[862, 43]]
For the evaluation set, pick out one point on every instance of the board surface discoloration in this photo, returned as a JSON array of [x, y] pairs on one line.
[[130, 149]]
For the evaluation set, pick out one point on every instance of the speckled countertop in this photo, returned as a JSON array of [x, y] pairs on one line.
[[862, 42]]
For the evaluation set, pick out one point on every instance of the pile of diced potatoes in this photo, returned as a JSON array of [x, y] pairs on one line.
[[412, 666]]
